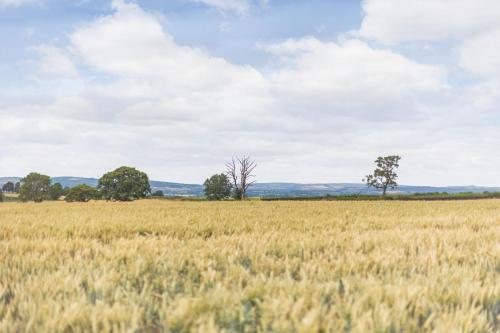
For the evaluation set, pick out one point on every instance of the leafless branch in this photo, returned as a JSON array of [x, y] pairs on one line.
[[232, 172], [241, 178]]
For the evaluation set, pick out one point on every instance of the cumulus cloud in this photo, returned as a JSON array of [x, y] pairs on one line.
[[467, 31], [394, 21], [55, 61], [132, 43], [350, 78], [139, 97], [479, 54]]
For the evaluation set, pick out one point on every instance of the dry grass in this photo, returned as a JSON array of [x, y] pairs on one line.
[[160, 266]]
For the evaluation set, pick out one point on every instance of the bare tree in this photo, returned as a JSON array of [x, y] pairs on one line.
[[232, 173], [240, 171]]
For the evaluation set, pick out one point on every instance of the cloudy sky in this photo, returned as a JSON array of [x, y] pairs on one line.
[[314, 90]]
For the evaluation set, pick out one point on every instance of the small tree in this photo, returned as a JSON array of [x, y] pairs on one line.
[[124, 184], [56, 191], [240, 172], [35, 187], [17, 187], [158, 194], [384, 176], [217, 187], [8, 187], [80, 193], [1, 195]]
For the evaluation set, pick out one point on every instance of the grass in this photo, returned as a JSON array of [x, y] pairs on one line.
[[10, 197], [171, 266], [399, 197]]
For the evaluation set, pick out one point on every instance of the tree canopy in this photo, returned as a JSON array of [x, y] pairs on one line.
[[80, 193], [35, 187], [8, 187], [124, 184], [56, 191], [384, 176], [217, 187]]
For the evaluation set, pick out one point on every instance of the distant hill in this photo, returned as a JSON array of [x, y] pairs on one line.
[[309, 190], [276, 189]]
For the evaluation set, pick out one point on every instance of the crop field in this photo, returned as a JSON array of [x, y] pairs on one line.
[[167, 266]]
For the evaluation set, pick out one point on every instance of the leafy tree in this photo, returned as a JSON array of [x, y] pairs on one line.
[[81, 193], [35, 187], [384, 176], [1, 195], [217, 187], [17, 187], [56, 191], [158, 194], [124, 184], [8, 187]]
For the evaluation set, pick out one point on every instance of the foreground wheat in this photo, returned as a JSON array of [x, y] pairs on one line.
[[160, 266]]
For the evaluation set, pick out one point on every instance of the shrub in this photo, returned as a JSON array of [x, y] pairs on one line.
[[158, 194], [81, 193]]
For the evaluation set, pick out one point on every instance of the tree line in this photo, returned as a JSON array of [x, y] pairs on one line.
[[127, 183]]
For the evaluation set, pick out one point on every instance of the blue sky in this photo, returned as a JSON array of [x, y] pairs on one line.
[[313, 90], [224, 34]]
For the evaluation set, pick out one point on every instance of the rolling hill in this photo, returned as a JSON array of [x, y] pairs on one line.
[[276, 189]]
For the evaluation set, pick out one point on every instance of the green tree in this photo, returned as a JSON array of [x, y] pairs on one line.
[[8, 187], [1, 195], [17, 187], [384, 176], [81, 193], [217, 187], [35, 187], [56, 191], [124, 184]]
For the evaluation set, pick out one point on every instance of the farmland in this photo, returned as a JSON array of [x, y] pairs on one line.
[[171, 266]]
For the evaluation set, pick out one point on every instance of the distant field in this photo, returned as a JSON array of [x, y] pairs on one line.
[[171, 266], [396, 197]]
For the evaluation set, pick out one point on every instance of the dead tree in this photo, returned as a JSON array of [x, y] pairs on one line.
[[240, 171], [232, 173]]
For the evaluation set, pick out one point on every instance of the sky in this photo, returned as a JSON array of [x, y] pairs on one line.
[[313, 90]]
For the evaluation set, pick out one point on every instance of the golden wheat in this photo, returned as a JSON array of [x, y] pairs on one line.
[[164, 266]]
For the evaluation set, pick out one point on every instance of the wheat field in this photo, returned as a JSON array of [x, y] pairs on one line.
[[169, 266]]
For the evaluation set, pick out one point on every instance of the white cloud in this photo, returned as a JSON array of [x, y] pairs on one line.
[[55, 61], [132, 43], [394, 21], [352, 79], [15, 3], [240, 6], [479, 55], [322, 112]]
